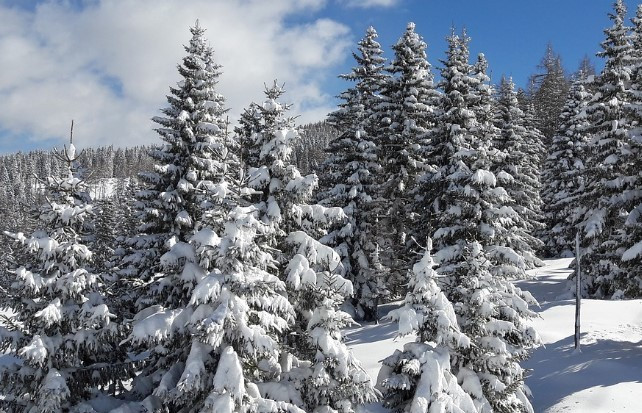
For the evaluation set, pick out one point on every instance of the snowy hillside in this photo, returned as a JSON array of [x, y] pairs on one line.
[[605, 377]]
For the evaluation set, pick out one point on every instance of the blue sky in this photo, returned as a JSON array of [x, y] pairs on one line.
[[108, 63], [512, 34]]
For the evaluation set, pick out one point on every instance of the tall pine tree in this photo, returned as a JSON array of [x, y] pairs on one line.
[[604, 220], [405, 116], [61, 332], [471, 215], [518, 172], [563, 176], [351, 173]]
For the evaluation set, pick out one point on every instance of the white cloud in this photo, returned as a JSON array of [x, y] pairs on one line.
[[364, 4], [110, 64]]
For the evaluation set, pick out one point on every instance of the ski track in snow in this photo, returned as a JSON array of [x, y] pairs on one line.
[[606, 376]]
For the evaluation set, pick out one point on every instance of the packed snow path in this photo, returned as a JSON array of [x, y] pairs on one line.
[[605, 377]]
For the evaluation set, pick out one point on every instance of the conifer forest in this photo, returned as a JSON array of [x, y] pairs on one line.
[[232, 265]]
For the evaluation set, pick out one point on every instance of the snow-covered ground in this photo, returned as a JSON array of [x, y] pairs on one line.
[[605, 377]]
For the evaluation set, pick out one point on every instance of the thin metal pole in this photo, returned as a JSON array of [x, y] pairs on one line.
[[578, 293]]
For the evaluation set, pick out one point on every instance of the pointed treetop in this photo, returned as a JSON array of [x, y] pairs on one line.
[[410, 27], [197, 29], [507, 83], [620, 9], [619, 15], [275, 91], [426, 263], [481, 66], [465, 39]]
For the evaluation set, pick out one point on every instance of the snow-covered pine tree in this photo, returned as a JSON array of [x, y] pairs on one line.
[[326, 374], [249, 123], [194, 152], [548, 92], [629, 283], [563, 174], [419, 378], [281, 195], [279, 190], [350, 174], [494, 314], [405, 117], [167, 256], [490, 310], [518, 172], [236, 319], [604, 220], [61, 333], [534, 137]]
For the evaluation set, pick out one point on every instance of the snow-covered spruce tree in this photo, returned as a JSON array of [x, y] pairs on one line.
[[281, 195], [490, 310], [485, 109], [548, 93], [604, 219], [518, 172], [236, 319], [494, 314], [419, 378], [190, 177], [279, 190], [350, 175], [534, 137], [563, 174], [194, 152], [326, 374], [405, 117], [62, 334], [629, 283]]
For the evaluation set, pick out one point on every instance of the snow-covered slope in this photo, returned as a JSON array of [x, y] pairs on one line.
[[605, 377]]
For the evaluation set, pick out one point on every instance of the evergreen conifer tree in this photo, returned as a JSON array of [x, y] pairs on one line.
[[161, 267], [419, 378], [549, 94], [518, 173], [405, 116], [563, 176], [471, 217], [329, 378], [279, 190], [62, 335], [213, 317], [194, 153], [351, 174], [604, 220]]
